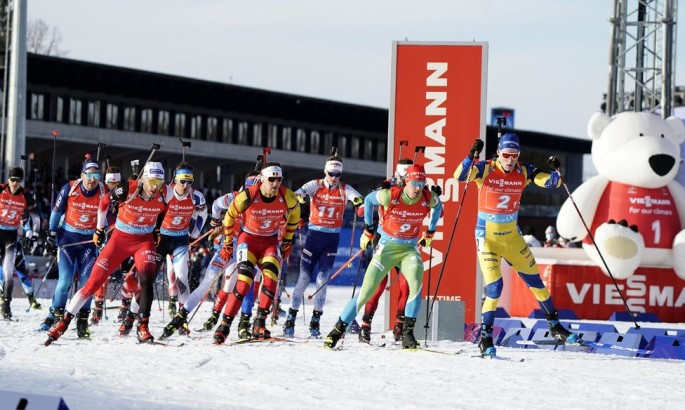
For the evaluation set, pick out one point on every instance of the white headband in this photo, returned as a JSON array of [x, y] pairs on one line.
[[333, 166], [112, 178], [401, 170], [272, 171]]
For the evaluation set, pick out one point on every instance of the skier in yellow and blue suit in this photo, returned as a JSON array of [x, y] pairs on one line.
[[500, 185]]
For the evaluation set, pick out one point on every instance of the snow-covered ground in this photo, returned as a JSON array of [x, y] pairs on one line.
[[113, 373]]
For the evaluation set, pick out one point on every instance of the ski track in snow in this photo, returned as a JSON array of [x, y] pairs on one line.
[[109, 372]]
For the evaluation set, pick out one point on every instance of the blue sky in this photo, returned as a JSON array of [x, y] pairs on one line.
[[548, 59]]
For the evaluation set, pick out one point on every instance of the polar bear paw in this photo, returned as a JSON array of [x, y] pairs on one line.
[[621, 246]]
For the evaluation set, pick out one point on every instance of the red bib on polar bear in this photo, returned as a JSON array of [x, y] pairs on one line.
[[653, 210]]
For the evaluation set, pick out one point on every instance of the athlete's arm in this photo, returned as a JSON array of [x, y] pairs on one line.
[[199, 214], [540, 178], [237, 206], [293, 215], [59, 208], [436, 211]]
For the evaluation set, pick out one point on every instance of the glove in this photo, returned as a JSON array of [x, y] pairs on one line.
[[51, 243], [360, 212], [301, 224], [478, 145], [553, 180], [299, 198], [120, 193], [358, 201], [214, 222], [553, 163], [427, 239], [437, 189], [286, 248], [367, 237], [226, 252], [99, 237], [384, 185]]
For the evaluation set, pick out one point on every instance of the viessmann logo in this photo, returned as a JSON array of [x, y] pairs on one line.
[[504, 182], [638, 294], [648, 201], [266, 211]]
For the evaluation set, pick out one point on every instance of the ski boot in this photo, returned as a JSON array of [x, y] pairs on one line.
[[211, 322], [127, 324], [33, 302], [177, 322], [259, 330], [289, 325], [408, 339], [314, 329], [82, 324], [58, 330], [486, 345], [5, 307], [365, 331], [335, 334], [55, 315], [397, 329], [97, 313], [559, 332], [125, 306], [222, 331], [172, 305], [142, 331], [244, 326]]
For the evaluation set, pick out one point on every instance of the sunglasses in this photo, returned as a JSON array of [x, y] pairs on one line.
[[507, 155], [334, 174], [15, 179], [417, 184], [274, 179], [185, 181], [95, 175], [155, 182]]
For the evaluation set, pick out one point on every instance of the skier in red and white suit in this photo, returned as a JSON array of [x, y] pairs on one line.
[[142, 202]]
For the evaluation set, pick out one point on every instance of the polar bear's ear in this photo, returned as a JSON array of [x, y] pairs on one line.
[[597, 123], [678, 128]]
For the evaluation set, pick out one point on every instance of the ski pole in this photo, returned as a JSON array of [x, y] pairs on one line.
[[201, 237], [218, 275], [344, 265], [184, 145], [430, 269], [55, 133], [354, 225], [454, 229], [47, 271], [592, 238]]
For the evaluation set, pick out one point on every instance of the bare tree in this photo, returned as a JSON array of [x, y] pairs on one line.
[[42, 39]]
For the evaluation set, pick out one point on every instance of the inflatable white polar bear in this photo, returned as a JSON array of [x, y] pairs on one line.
[[637, 156]]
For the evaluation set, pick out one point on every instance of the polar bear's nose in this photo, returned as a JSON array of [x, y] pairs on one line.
[[661, 164]]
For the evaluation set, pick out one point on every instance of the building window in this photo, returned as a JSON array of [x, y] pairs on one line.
[[301, 140], [272, 138], [212, 125], [287, 138], [59, 109], [163, 122], [37, 106], [257, 135], [179, 125], [242, 133], [368, 149], [196, 127], [380, 153], [227, 130], [315, 143], [129, 119], [342, 145], [146, 120], [112, 116], [93, 113], [354, 147]]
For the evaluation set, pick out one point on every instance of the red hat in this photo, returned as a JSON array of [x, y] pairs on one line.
[[416, 173]]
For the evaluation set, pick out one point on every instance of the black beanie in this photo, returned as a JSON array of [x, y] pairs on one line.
[[17, 172]]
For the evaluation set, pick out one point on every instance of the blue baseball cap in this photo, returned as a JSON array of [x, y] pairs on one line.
[[509, 140], [89, 163]]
